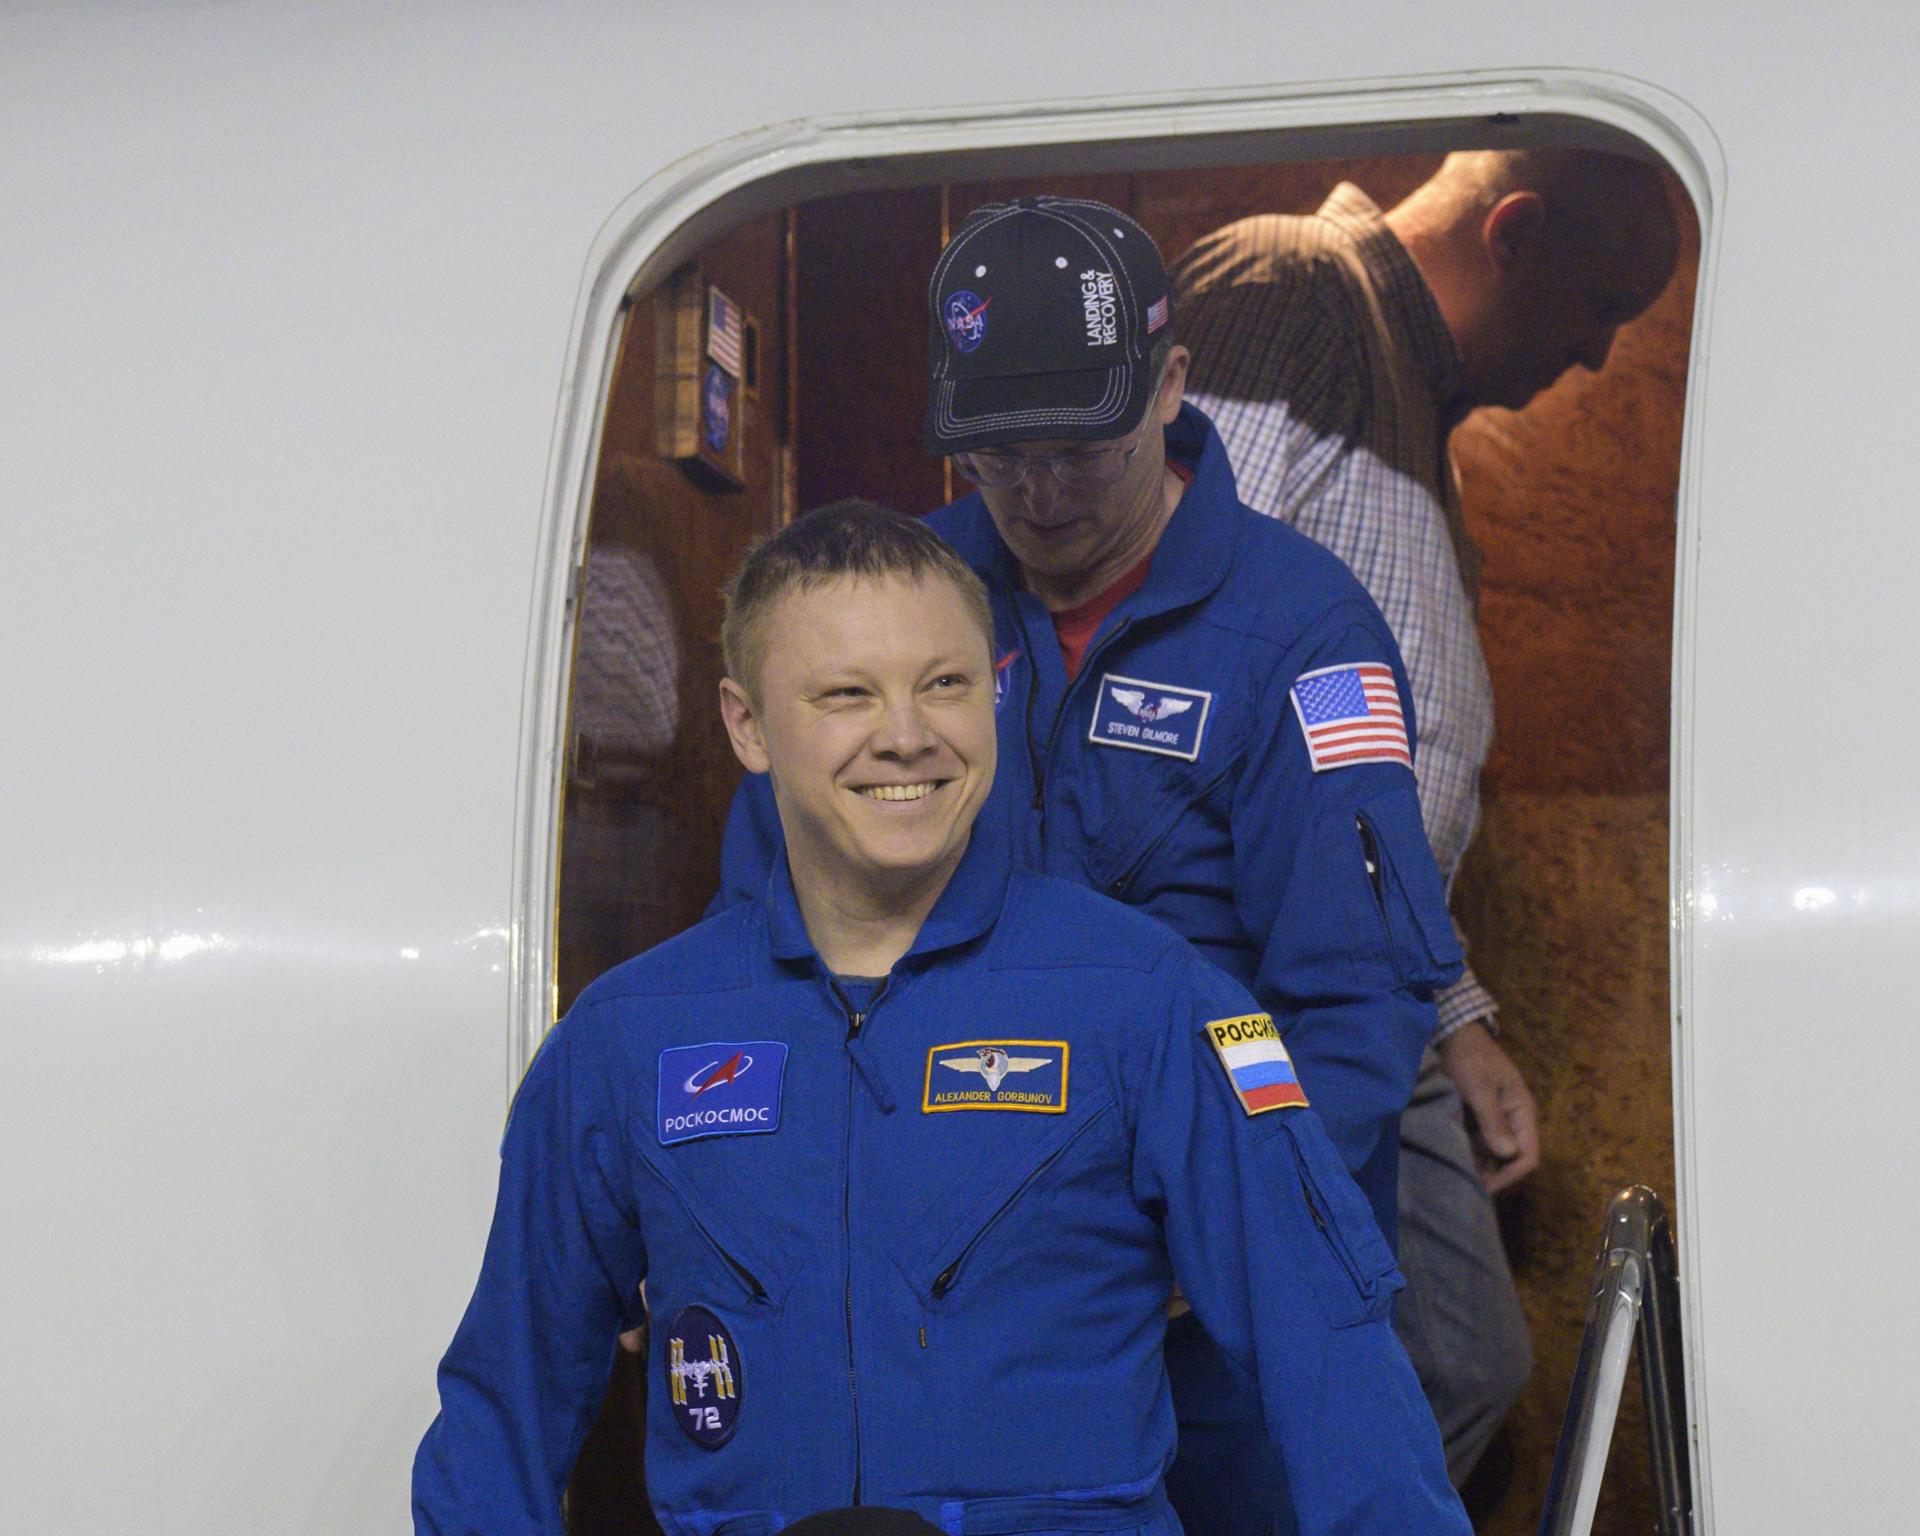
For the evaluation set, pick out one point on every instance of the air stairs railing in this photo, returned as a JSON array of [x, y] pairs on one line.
[[1636, 1297]]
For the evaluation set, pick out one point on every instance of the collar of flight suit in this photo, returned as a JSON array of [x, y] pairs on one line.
[[1195, 550], [966, 909]]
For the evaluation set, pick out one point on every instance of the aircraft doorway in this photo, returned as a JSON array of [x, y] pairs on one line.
[[1564, 892]]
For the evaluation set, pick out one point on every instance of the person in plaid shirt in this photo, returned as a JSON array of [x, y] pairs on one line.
[[1335, 353]]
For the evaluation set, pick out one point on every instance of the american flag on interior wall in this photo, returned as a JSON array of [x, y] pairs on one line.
[[725, 340], [1351, 714]]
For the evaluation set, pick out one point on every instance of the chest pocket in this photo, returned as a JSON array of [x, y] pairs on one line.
[[1142, 811], [965, 1246], [1149, 813], [707, 1230]]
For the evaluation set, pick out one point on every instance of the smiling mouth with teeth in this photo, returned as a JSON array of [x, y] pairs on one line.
[[918, 791]]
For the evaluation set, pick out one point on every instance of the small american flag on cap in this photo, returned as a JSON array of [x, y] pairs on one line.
[[1156, 314], [1351, 714]]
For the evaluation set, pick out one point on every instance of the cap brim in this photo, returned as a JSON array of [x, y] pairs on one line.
[[1085, 406]]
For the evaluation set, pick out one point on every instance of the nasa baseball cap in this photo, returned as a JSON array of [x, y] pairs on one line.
[[1042, 313]]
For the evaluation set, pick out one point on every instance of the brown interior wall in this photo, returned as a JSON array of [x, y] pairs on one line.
[[1564, 895], [1565, 891], [861, 264], [641, 834], [640, 838]]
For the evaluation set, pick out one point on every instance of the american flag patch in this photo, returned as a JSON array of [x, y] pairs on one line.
[[1351, 714], [726, 338], [1156, 314]]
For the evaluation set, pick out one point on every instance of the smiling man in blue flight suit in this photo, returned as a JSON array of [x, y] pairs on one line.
[[1202, 712], [909, 1149]]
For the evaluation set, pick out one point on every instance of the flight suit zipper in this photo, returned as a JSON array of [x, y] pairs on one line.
[[1333, 1240], [1370, 852], [1035, 770], [855, 1018], [755, 1290], [1117, 886], [854, 1021], [1039, 763]]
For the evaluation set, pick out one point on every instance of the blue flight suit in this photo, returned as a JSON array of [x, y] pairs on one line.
[[1316, 890], [921, 1259]]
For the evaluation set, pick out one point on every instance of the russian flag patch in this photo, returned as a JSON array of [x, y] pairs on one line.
[[1257, 1064]]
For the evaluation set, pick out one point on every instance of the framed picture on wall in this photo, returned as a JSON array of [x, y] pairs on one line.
[[706, 380]]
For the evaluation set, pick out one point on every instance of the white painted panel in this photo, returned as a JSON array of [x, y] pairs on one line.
[[283, 328]]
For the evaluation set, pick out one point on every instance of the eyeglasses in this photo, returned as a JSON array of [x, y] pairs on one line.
[[1082, 469]]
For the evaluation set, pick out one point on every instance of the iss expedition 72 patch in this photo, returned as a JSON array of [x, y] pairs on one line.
[[705, 1377], [1029, 1075], [1257, 1065]]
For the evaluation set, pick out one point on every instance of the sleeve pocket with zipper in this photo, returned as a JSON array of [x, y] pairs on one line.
[[1345, 1259], [1412, 903]]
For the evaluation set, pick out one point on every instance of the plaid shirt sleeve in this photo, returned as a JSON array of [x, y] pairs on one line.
[[1325, 427], [1462, 1003]]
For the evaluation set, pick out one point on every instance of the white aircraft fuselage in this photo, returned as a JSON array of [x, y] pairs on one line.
[[305, 318]]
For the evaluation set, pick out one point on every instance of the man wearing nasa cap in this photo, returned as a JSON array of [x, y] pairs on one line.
[[1202, 713]]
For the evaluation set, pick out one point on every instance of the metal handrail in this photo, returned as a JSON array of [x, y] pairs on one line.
[[1635, 1281]]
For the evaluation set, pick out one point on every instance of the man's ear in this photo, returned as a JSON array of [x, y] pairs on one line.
[[743, 726], [1514, 226], [1173, 386]]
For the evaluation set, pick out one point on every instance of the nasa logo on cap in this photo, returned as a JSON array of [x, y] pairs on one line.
[[966, 316], [705, 1377], [724, 1088]]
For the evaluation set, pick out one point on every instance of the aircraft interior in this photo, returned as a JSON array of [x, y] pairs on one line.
[[1564, 893]]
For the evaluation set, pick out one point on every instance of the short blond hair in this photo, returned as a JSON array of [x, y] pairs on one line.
[[844, 538]]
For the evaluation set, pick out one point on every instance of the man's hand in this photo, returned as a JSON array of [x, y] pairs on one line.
[[1504, 1123]]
